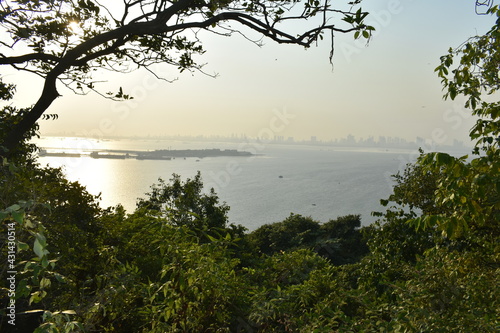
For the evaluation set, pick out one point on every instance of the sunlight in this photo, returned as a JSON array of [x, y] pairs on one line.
[[75, 27]]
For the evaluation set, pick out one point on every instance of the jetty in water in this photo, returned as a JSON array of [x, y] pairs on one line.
[[162, 154]]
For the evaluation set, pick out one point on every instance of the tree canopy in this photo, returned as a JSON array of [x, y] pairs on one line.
[[65, 41]]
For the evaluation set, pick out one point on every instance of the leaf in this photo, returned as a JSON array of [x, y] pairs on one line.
[[22, 246], [473, 103], [23, 289], [28, 224], [450, 229], [59, 278], [70, 312], [45, 261], [38, 249], [211, 238], [41, 238], [415, 223], [443, 159], [18, 216], [453, 92], [31, 311], [37, 296], [3, 215], [44, 283], [431, 221], [13, 208]]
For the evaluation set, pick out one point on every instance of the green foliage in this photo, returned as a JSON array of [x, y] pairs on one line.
[[73, 214], [21, 229], [476, 75], [468, 190], [33, 276], [415, 189], [9, 118], [59, 322], [196, 290], [157, 276], [434, 254], [295, 231], [451, 291], [275, 301], [186, 204], [159, 269], [341, 240], [338, 240]]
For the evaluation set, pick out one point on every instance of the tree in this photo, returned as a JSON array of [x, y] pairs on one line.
[[469, 191], [65, 41], [293, 232], [338, 240], [9, 118], [341, 240], [436, 272], [414, 189], [186, 204]]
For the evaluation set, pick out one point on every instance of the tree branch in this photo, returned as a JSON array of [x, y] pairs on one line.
[[28, 57], [155, 23]]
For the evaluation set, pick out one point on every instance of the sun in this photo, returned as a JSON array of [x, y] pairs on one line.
[[75, 27]]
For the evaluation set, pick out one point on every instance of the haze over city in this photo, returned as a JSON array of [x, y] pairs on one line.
[[385, 88]]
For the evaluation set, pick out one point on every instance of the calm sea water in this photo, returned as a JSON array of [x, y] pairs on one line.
[[315, 181]]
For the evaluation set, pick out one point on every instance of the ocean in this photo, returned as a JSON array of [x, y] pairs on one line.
[[317, 181]]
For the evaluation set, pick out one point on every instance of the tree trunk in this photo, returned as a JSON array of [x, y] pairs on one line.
[[16, 135]]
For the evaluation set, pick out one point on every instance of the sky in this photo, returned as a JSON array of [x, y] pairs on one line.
[[385, 88]]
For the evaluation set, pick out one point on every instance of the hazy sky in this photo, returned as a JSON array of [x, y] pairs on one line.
[[386, 88]]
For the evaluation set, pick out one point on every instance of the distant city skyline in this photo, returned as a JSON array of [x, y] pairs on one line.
[[348, 141]]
